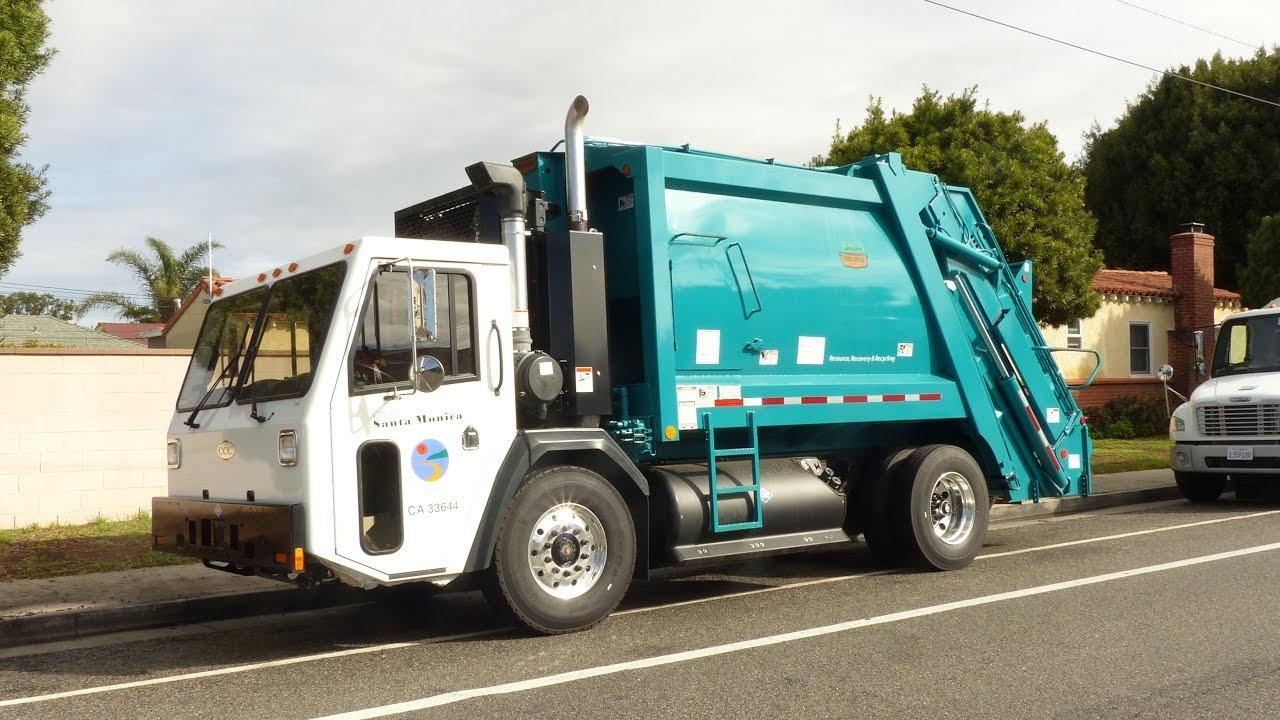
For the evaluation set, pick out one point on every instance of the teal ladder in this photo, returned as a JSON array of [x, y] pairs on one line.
[[752, 451]]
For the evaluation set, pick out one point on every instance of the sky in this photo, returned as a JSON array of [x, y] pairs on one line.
[[287, 127]]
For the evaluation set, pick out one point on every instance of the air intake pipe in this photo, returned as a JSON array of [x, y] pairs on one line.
[[575, 164], [506, 184]]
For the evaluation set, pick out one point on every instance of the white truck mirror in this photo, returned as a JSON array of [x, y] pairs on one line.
[[424, 305], [428, 374], [1166, 373]]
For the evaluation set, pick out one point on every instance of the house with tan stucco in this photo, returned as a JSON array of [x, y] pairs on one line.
[[1147, 319]]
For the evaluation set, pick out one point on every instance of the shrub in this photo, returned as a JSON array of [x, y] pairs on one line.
[[1129, 416]]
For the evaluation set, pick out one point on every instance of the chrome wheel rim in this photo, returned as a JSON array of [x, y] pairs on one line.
[[952, 508], [567, 550]]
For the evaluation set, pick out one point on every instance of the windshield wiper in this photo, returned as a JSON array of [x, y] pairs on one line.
[[191, 420], [253, 395]]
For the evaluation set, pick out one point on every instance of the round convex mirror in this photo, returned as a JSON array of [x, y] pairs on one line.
[[429, 374], [1166, 372]]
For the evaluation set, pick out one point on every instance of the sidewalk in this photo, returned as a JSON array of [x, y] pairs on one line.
[[61, 608]]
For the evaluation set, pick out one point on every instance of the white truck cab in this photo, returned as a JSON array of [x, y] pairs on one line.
[[1230, 425]]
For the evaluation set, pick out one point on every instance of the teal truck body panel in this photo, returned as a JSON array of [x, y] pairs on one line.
[[818, 309]]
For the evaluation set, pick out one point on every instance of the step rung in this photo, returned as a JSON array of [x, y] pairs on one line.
[[732, 490], [735, 452], [749, 525]]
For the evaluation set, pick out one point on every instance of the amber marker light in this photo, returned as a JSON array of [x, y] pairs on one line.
[[346, 249], [293, 266], [159, 539], [281, 558], [299, 560], [262, 277]]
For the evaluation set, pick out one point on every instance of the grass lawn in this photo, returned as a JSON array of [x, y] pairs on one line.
[[99, 546], [1138, 454]]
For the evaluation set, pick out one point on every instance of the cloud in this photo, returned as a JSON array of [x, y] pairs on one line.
[[287, 127]]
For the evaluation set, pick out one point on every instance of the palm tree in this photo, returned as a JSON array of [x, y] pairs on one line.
[[164, 278]]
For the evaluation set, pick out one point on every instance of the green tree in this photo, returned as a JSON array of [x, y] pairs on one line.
[[1260, 275], [1030, 195], [1182, 153], [164, 277], [23, 31], [33, 303]]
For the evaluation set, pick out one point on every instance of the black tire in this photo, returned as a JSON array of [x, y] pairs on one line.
[[1200, 487], [914, 507], [512, 581], [872, 502]]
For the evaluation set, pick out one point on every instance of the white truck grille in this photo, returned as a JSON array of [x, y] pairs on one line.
[[1238, 420]]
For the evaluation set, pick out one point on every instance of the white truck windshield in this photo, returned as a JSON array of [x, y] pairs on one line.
[[248, 350], [1248, 345]]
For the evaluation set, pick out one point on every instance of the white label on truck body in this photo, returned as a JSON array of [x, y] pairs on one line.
[[1054, 415], [811, 350], [906, 349], [584, 379], [708, 348], [769, 357]]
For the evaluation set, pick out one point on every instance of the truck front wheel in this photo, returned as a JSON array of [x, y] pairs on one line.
[[1200, 487], [566, 551], [943, 507]]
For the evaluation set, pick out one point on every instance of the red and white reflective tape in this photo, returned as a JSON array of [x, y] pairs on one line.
[[827, 399]]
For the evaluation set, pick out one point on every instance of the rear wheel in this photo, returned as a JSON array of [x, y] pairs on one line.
[[1200, 487], [872, 503], [565, 552], [942, 508]]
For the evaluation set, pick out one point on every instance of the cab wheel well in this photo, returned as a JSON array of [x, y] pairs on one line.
[[637, 502]]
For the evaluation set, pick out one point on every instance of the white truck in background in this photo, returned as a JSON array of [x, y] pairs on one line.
[[1230, 426]]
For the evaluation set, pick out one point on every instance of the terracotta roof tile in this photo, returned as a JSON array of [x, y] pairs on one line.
[[1152, 283]]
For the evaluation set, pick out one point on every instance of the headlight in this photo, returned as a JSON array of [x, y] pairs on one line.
[[1177, 424], [173, 453], [287, 449]]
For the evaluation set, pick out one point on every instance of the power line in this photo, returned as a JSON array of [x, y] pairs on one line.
[[1099, 53], [1183, 22], [63, 290]]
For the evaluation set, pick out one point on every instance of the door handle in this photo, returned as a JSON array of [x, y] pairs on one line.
[[493, 330]]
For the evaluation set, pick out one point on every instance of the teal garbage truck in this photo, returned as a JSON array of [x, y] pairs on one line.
[[585, 366]]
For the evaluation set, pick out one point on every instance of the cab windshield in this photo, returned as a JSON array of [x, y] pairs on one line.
[[262, 344], [1248, 345]]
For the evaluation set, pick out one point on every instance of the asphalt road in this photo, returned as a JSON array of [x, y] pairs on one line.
[[1162, 611]]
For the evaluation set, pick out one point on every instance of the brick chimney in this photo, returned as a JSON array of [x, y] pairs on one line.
[[1192, 270]]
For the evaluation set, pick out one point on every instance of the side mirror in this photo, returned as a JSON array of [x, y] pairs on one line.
[[424, 304], [428, 374], [1165, 373]]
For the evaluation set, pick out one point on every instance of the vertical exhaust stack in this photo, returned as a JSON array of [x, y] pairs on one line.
[[506, 184], [575, 164]]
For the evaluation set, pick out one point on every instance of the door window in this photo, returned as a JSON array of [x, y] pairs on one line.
[[382, 352]]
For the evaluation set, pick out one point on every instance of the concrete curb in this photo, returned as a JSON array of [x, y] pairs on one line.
[[72, 624], [1097, 501]]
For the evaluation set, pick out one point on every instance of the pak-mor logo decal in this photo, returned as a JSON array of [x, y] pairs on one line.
[[430, 460]]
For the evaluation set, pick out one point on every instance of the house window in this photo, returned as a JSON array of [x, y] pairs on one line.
[[1139, 349], [1074, 336]]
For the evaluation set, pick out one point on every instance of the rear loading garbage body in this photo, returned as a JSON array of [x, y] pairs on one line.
[[586, 366]]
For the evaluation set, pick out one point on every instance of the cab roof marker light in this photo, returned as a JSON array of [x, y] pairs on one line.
[[293, 266], [346, 249], [262, 277], [275, 273]]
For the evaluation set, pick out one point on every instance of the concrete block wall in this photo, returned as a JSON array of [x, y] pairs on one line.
[[82, 432]]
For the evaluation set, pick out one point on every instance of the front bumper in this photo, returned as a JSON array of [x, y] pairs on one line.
[[1186, 457], [250, 536]]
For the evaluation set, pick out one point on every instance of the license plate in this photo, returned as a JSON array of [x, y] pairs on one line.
[[1239, 453]]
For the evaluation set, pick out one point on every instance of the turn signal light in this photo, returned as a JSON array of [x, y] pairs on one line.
[[159, 539], [299, 560], [281, 558]]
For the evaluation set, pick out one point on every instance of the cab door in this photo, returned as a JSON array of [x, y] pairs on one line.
[[413, 467]]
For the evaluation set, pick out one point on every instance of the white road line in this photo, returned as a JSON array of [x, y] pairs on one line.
[[671, 658], [493, 631], [238, 669], [1117, 536]]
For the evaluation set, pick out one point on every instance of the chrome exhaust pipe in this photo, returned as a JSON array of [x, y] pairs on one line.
[[575, 164]]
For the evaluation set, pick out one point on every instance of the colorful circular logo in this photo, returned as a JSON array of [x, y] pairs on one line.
[[430, 460]]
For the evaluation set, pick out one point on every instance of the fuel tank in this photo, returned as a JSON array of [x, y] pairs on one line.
[[800, 510]]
